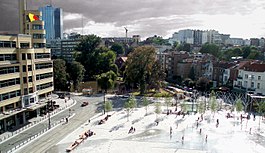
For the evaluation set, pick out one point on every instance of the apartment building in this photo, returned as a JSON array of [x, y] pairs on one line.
[[26, 76], [251, 78]]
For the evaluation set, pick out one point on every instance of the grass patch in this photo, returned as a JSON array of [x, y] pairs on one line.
[[153, 93]]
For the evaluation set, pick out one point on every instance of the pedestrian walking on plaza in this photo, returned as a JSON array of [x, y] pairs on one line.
[[66, 120], [200, 131], [206, 138], [170, 130], [182, 139], [250, 130]]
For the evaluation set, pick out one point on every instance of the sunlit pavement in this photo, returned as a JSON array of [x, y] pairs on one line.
[[112, 137]]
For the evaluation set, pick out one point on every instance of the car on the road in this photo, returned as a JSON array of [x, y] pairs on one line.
[[85, 103]]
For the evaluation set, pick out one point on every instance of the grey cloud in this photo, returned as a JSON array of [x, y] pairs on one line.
[[124, 12]]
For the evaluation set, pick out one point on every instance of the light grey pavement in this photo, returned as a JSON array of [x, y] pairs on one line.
[[49, 139]]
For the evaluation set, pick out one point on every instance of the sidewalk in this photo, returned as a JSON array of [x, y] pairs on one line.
[[63, 104]]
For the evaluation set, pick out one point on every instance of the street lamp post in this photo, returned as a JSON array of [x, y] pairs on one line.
[[49, 120], [104, 102], [49, 117]]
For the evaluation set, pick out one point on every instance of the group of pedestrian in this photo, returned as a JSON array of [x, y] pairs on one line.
[[132, 130]]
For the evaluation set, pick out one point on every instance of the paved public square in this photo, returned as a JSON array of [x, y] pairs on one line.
[[112, 137]]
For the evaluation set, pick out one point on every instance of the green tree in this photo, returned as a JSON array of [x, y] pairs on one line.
[[145, 104], [129, 105], [157, 109], [213, 102], [192, 73], [184, 47], [175, 45], [108, 106], [141, 68], [183, 107], [202, 84], [117, 48], [60, 75], [95, 59], [201, 107], [168, 102], [246, 51], [261, 110], [211, 49], [107, 80], [77, 73], [239, 105]]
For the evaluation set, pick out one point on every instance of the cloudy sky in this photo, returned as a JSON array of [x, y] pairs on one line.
[[240, 18]]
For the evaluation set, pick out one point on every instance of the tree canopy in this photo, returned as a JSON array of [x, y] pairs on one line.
[[77, 73], [60, 75], [246, 52], [108, 106], [129, 105], [107, 80], [142, 68], [95, 59], [117, 48], [211, 49]]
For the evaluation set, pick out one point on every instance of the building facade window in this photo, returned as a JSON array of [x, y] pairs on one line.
[[43, 66], [24, 68], [246, 84], [44, 76], [39, 45], [44, 86], [9, 82], [9, 95], [7, 70], [246, 76], [252, 84], [259, 77], [37, 27], [24, 45], [38, 36], [23, 56], [8, 57], [42, 55], [258, 85], [28, 56], [7, 44]]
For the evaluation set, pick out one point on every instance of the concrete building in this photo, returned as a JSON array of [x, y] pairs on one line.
[[251, 78], [197, 37], [68, 49], [185, 36], [26, 77], [254, 42], [55, 46], [235, 41]]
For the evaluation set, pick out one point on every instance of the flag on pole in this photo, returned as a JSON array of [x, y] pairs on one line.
[[32, 17]]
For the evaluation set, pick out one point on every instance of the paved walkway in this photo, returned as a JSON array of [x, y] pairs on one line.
[[63, 104]]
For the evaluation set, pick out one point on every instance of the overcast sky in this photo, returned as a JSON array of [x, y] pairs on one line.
[[240, 18]]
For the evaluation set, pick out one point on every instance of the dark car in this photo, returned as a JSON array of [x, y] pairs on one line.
[[85, 103]]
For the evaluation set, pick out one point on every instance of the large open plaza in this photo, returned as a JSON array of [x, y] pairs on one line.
[[188, 133]]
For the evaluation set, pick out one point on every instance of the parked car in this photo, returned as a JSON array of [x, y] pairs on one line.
[[85, 103]]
